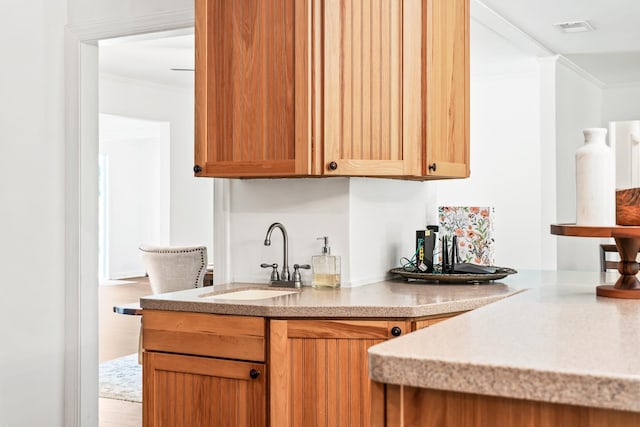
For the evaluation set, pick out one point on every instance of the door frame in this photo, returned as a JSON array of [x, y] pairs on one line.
[[81, 210]]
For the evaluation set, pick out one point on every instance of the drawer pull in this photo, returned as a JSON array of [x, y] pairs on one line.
[[254, 373]]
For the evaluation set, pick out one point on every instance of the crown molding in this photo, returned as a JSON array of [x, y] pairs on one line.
[[626, 85], [486, 16], [580, 71]]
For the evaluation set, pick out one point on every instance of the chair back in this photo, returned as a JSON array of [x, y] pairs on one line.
[[606, 264], [175, 268]]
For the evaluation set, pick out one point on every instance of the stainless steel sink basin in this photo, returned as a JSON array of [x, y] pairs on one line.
[[249, 294]]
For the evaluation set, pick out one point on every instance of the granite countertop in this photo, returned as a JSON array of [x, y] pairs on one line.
[[389, 299], [555, 342]]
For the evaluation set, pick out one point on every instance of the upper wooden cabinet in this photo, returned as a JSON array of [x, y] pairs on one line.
[[332, 88]]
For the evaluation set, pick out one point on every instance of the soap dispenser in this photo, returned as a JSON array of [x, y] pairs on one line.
[[325, 268]]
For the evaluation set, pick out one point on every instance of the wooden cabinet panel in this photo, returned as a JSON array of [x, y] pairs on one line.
[[237, 337], [199, 391], [251, 77], [446, 86], [372, 110], [414, 407], [319, 372]]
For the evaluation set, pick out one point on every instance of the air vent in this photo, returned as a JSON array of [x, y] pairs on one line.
[[574, 26]]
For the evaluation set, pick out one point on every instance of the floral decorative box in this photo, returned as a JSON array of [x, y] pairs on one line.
[[474, 227]]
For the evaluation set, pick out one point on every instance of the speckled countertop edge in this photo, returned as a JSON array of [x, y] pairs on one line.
[[320, 311], [582, 389], [327, 310], [569, 366]]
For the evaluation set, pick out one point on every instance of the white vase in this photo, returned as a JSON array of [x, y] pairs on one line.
[[595, 180]]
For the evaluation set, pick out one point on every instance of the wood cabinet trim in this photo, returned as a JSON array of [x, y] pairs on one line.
[[344, 329], [279, 374], [412, 138], [302, 87], [445, 85], [201, 113]]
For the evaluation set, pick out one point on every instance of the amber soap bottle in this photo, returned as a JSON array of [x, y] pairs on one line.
[[325, 268]]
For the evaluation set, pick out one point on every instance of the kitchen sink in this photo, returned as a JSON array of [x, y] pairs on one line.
[[249, 294]]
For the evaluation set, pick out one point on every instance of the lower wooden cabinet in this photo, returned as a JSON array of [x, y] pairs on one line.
[[193, 391], [319, 373], [202, 370], [418, 407]]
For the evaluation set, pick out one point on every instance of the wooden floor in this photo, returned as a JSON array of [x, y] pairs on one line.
[[118, 336]]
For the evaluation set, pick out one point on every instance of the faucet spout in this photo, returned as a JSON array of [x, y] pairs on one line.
[[285, 276]]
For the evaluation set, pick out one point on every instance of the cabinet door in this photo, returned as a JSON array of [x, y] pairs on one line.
[[252, 88], [371, 73], [319, 372], [446, 82], [191, 391]]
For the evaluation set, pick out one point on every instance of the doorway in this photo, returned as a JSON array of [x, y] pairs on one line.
[[147, 192]]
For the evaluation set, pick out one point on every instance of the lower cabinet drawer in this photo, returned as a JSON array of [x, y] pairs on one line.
[[202, 334]]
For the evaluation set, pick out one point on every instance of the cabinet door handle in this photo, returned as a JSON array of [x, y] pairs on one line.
[[396, 331], [254, 373], [197, 169], [333, 166], [432, 167]]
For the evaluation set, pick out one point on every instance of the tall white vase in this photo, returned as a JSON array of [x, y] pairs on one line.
[[595, 180]]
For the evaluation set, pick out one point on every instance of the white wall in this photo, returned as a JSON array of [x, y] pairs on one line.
[[191, 203], [137, 199], [370, 223], [578, 106], [505, 149], [308, 208], [505, 165], [620, 103], [86, 11], [32, 220], [547, 150], [383, 218]]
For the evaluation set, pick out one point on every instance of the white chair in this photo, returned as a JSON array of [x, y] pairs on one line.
[[176, 268], [173, 269]]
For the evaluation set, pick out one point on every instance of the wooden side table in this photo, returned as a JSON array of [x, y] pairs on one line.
[[208, 278], [628, 243], [132, 309]]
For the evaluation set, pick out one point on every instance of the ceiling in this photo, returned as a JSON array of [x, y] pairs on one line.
[[611, 53], [151, 57]]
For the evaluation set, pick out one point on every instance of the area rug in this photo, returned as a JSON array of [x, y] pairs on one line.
[[121, 379]]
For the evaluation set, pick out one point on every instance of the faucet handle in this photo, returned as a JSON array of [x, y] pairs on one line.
[[297, 266], [275, 276], [297, 278]]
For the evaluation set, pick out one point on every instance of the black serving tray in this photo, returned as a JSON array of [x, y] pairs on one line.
[[455, 278]]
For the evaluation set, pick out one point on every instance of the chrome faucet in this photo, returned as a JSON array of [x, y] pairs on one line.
[[285, 276]]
